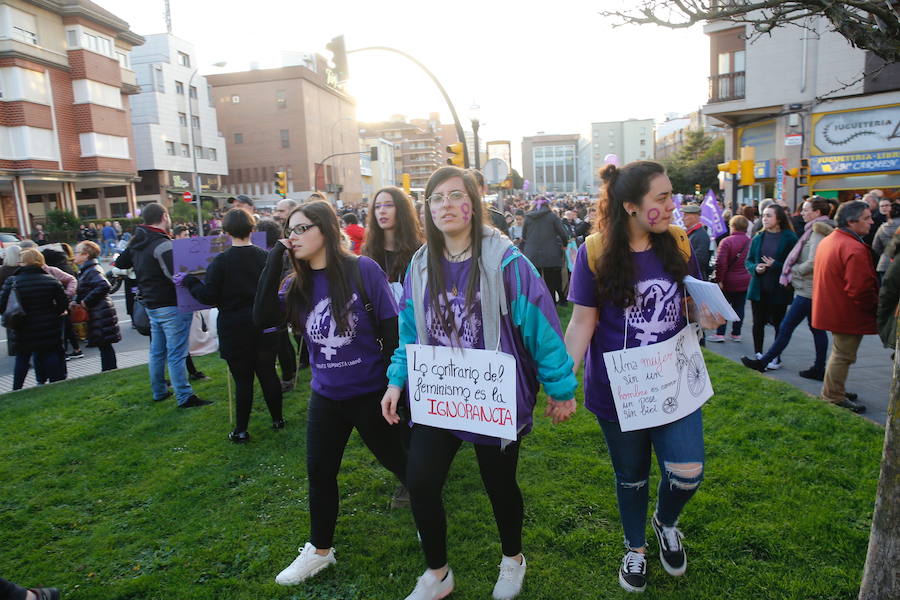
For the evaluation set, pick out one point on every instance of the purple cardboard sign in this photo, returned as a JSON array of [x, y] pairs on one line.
[[193, 255]]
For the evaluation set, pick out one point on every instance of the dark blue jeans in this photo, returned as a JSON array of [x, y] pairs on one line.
[[738, 301], [800, 308], [679, 452], [47, 366]]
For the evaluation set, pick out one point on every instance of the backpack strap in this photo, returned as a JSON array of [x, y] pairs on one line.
[[594, 243], [356, 277]]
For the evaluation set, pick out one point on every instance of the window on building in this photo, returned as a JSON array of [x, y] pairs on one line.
[[72, 38], [211, 154], [643, 142], [198, 152], [94, 92], [124, 59], [24, 26], [96, 43], [281, 99], [194, 92], [235, 99], [170, 148], [285, 138], [209, 95], [182, 119], [195, 122], [99, 144], [184, 60], [179, 88], [239, 138], [159, 80], [185, 150]]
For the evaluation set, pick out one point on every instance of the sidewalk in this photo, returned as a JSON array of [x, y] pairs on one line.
[[80, 367], [870, 377]]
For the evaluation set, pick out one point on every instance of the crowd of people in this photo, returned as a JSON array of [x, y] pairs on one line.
[[455, 272]]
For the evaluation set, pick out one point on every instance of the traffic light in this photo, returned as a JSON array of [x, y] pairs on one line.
[[281, 183], [459, 158], [803, 178], [338, 57], [748, 162], [732, 167], [406, 183]]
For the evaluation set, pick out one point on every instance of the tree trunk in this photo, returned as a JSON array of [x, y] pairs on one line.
[[881, 577]]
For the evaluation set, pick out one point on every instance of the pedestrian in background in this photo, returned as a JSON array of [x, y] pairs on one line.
[[355, 232], [768, 298], [543, 241], [884, 235], [888, 296], [732, 276], [39, 336], [109, 236], [93, 294], [698, 237], [393, 235]]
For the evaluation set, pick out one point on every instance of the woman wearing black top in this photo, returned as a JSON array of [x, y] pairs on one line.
[[230, 284], [394, 234]]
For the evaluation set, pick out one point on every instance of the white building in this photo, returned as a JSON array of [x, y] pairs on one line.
[[629, 140], [376, 174], [787, 96], [174, 103]]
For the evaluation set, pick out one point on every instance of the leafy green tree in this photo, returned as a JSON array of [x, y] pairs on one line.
[[62, 220], [696, 162], [517, 180], [182, 212]]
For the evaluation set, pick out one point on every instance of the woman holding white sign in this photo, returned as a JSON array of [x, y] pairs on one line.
[[627, 287], [470, 288], [348, 316]]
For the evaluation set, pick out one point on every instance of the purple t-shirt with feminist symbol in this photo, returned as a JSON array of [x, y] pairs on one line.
[[658, 314], [349, 363], [467, 319]]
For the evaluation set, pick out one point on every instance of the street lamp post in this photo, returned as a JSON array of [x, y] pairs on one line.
[[193, 150], [476, 123]]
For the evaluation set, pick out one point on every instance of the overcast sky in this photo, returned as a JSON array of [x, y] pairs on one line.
[[551, 67]]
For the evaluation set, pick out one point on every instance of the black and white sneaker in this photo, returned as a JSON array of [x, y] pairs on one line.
[[671, 550], [633, 572]]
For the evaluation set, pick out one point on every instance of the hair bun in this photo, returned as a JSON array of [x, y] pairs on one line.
[[608, 173]]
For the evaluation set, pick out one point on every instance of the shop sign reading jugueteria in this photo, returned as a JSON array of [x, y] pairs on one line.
[[856, 141]]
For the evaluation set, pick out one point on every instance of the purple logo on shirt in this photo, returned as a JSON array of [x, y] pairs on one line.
[[656, 312], [322, 328], [467, 320]]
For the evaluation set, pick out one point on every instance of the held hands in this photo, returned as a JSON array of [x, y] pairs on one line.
[[560, 411], [178, 279], [389, 404]]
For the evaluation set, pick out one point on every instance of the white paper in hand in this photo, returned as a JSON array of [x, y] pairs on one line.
[[709, 294]]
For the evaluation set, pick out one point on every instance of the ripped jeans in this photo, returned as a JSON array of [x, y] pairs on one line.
[[679, 451]]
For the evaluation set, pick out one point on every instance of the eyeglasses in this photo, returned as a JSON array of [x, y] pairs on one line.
[[300, 229], [381, 205], [454, 197]]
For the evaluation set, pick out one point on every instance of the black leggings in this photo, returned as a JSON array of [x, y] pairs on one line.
[[261, 363], [765, 314], [11, 591], [286, 356], [552, 276], [329, 425], [431, 452]]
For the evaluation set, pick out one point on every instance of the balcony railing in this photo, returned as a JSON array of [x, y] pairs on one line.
[[729, 86]]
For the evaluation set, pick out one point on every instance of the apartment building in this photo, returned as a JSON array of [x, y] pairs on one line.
[[419, 147]]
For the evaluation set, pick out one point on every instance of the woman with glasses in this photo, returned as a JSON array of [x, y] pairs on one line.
[[344, 307], [469, 287], [230, 285]]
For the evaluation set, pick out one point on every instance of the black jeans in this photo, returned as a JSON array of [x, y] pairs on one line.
[[48, 365], [552, 276], [763, 314], [287, 358], [329, 425], [738, 301], [107, 357], [431, 453], [262, 364], [11, 591]]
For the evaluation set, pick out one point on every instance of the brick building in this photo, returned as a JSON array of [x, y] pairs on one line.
[[65, 129], [288, 119]]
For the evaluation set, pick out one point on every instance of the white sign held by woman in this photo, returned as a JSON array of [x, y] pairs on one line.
[[660, 383], [463, 388]]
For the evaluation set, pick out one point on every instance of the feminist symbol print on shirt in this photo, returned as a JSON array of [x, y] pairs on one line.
[[322, 328], [466, 321], [656, 310]]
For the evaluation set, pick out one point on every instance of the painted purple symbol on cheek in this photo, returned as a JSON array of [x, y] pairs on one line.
[[653, 216], [466, 211]]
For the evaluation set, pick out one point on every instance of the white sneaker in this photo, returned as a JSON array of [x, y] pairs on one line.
[[509, 583], [307, 564], [429, 587], [759, 355], [774, 365]]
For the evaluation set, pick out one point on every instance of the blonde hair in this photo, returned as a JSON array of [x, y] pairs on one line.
[[32, 258], [739, 223], [90, 248]]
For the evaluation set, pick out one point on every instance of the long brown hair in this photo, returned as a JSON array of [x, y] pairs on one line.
[[615, 266], [407, 234], [781, 217], [435, 240], [299, 295]]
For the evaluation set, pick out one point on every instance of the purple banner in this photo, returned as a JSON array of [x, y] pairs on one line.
[[677, 217], [193, 255], [711, 215]]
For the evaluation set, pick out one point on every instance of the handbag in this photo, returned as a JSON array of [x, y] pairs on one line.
[[14, 315], [78, 314], [139, 317]]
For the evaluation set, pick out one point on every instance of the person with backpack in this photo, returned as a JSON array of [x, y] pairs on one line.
[[344, 307], [627, 287], [470, 287]]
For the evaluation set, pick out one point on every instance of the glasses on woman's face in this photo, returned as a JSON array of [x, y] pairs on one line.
[[301, 228], [454, 197], [380, 205]]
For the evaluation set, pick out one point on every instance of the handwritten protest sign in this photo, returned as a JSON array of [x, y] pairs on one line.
[[463, 389], [193, 255], [660, 383]]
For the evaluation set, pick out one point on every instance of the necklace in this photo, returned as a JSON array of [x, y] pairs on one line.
[[457, 257]]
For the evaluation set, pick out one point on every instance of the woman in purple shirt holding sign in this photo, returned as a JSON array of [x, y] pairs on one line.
[[633, 296], [469, 287], [348, 316]]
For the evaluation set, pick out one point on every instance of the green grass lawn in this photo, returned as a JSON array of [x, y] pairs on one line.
[[111, 496]]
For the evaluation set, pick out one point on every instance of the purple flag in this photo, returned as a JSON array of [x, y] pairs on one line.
[[711, 215], [676, 214]]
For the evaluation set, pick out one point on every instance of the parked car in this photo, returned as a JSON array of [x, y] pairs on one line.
[[8, 239]]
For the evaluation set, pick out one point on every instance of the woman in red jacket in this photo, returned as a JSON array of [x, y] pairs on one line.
[[732, 275]]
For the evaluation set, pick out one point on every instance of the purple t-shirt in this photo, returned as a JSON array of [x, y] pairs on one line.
[[349, 364], [467, 319], [657, 315]]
